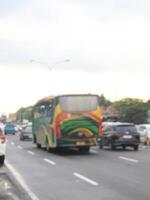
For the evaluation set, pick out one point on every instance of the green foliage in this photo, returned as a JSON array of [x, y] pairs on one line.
[[103, 101], [24, 113], [132, 110]]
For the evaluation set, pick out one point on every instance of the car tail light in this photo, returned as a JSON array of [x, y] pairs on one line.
[[2, 139]]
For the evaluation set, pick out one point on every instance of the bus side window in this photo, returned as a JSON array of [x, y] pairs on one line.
[[43, 111], [51, 111]]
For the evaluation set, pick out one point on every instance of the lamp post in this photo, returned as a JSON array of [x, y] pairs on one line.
[[47, 65]]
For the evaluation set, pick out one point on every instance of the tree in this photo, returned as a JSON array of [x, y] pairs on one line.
[[24, 114], [133, 110], [103, 101]]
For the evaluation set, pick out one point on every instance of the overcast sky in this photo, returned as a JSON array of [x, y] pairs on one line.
[[106, 41]]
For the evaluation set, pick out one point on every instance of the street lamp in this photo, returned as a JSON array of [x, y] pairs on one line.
[[50, 67]]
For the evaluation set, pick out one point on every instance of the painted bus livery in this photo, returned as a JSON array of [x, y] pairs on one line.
[[67, 121]]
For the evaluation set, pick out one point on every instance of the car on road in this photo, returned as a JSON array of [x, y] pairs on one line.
[[144, 131], [10, 128], [118, 134], [26, 133], [2, 146]]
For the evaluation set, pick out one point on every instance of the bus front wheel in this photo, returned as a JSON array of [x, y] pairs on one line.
[[37, 144]]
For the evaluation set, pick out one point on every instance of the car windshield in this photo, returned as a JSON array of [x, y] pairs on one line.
[[125, 129], [78, 103], [10, 125], [28, 129], [142, 128]]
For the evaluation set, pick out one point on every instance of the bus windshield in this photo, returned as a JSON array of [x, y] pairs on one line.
[[78, 103]]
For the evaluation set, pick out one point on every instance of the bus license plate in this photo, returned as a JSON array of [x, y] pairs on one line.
[[80, 143], [127, 136]]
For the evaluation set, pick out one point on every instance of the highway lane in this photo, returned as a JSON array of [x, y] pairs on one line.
[[102, 174]]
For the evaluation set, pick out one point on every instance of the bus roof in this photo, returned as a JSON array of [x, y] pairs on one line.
[[48, 99]]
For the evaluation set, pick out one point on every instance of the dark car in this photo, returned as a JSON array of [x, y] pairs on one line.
[[117, 134], [10, 128], [26, 133]]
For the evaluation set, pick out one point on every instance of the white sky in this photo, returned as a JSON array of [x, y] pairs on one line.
[[107, 42]]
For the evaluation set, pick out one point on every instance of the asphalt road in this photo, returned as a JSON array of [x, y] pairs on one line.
[[10, 188], [99, 175]]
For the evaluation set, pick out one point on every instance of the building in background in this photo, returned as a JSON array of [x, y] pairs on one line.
[[12, 117]]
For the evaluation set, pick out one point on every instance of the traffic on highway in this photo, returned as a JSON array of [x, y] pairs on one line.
[[110, 174], [68, 147], [75, 101]]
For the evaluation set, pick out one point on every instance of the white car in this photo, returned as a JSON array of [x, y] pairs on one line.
[[2, 146], [144, 130]]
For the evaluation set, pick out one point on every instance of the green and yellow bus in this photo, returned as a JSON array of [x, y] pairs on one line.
[[67, 121]]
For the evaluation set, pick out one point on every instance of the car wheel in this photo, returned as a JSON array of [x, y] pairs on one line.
[[2, 159], [112, 147], [136, 147], [123, 147]]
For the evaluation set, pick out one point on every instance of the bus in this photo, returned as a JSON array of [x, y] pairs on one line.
[[67, 121]]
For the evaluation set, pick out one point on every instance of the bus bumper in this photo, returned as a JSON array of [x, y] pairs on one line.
[[76, 142]]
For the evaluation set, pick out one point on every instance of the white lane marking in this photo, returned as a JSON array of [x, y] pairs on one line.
[[12, 143], [86, 179], [31, 152], [49, 161], [129, 159], [21, 181], [19, 147], [93, 151]]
